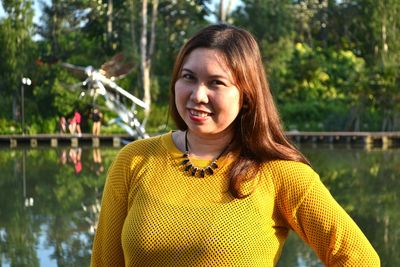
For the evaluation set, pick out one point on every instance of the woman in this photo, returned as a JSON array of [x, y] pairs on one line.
[[227, 187], [97, 116], [62, 125], [75, 123]]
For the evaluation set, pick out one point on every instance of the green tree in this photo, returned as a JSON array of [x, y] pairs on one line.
[[373, 32], [319, 85], [17, 51]]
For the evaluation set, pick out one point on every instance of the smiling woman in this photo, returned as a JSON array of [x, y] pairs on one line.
[[227, 187], [206, 96]]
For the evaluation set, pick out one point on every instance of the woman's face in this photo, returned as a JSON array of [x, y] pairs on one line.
[[205, 94]]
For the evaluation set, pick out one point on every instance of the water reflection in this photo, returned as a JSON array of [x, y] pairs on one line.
[[366, 183], [97, 167], [49, 204], [51, 197]]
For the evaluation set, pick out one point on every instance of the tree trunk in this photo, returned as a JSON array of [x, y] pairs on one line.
[[144, 63], [147, 52], [132, 24], [354, 120], [109, 21], [223, 12]]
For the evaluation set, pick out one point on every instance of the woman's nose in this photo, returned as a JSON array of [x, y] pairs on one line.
[[199, 93]]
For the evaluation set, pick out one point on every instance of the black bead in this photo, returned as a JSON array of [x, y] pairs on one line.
[[184, 162], [214, 165], [193, 170], [188, 167]]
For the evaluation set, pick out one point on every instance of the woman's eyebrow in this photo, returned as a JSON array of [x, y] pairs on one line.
[[216, 76], [188, 70], [219, 77]]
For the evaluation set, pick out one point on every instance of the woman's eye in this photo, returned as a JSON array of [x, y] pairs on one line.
[[217, 82], [187, 76]]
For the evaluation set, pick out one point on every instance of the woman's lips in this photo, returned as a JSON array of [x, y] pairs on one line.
[[199, 115]]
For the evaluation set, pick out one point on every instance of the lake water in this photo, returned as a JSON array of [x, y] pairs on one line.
[[50, 199]]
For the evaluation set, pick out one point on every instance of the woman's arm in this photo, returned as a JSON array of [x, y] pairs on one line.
[[107, 248], [329, 230]]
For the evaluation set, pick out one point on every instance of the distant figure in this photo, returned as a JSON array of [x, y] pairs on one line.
[[97, 116], [62, 125], [75, 124]]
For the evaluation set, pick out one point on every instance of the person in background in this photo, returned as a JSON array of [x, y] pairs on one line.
[[62, 125], [75, 123], [227, 187], [97, 116]]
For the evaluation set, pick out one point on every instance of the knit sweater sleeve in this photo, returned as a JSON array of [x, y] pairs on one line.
[[320, 221], [107, 248]]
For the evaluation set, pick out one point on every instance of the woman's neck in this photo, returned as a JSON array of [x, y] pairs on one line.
[[207, 146]]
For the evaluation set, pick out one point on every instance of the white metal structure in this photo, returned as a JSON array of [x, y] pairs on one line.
[[102, 83]]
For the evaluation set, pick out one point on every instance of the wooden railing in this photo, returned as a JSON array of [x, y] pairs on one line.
[[368, 139]]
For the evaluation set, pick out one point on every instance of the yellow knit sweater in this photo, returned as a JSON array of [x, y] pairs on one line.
[[154, 214]]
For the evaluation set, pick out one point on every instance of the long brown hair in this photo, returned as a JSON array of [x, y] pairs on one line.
[[259, 135]]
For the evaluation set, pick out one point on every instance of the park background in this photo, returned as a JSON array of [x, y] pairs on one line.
[[332, 65]]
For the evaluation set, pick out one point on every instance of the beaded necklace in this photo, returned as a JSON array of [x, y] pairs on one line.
[[193, 170]]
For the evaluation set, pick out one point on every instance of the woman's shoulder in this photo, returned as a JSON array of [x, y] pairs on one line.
[[292, 182], [144, 147], [143, 142], [287, 167], [290, 174], [135, 155]]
